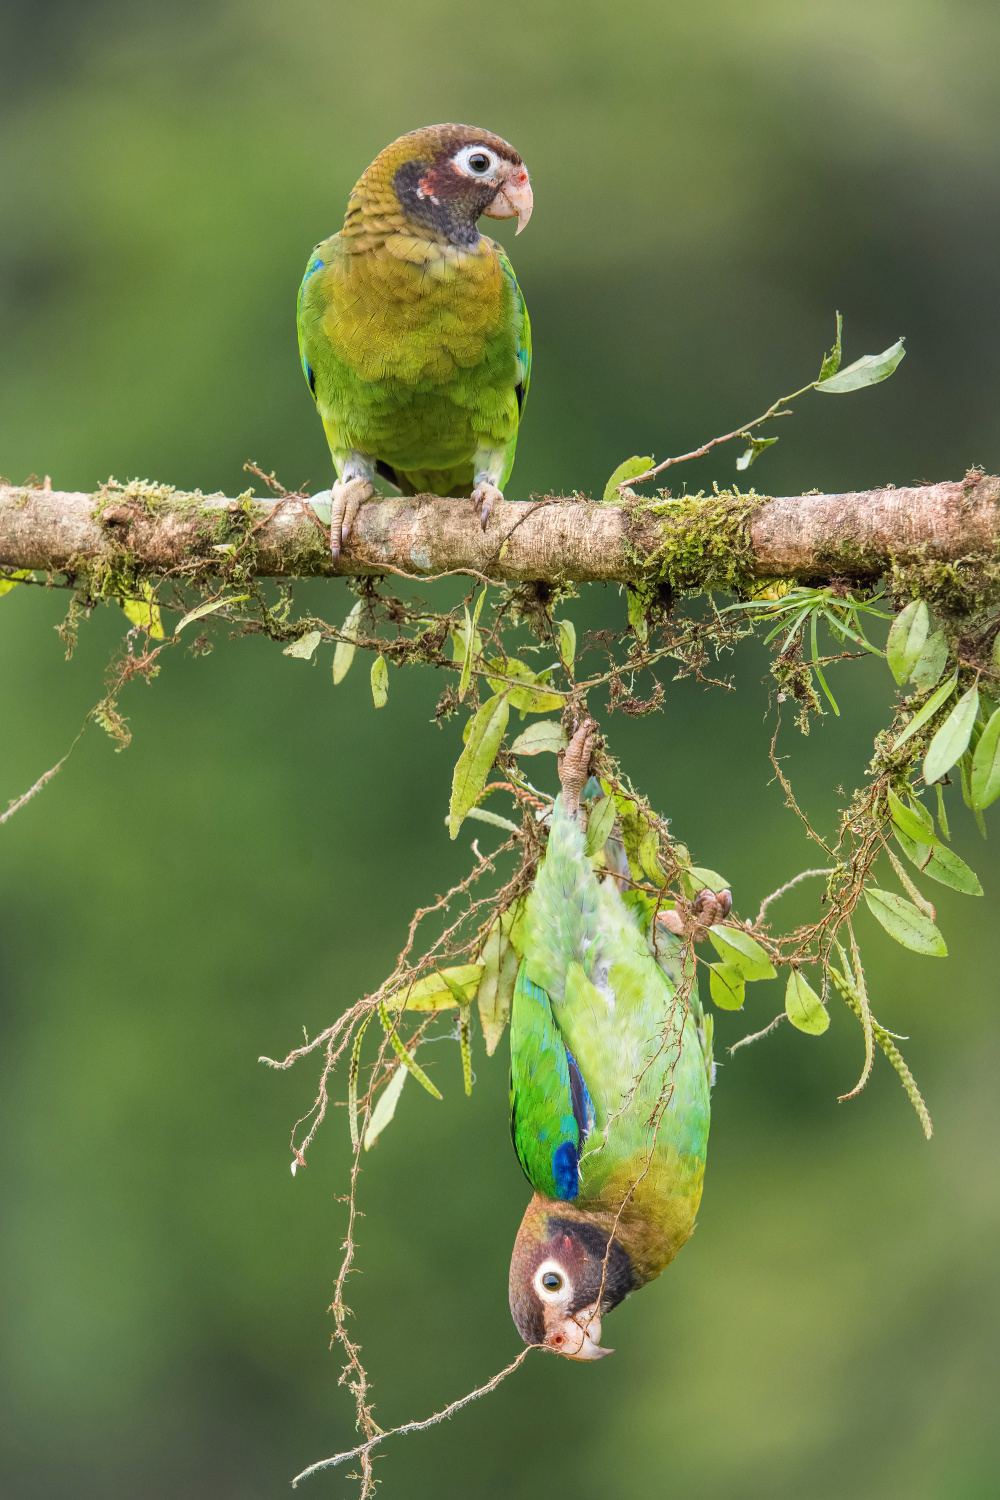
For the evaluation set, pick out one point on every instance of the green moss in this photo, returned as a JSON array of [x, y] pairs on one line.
[[695, 543]]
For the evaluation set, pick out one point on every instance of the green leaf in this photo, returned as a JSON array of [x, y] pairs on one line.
[[476, 760], [736, 947], [952, 739], [630, 469], [931, 663], [305, 645], [907, 638], [209, 609], [909, 821], [599, 825], [756, 448], [496, 988], [941, 812], [831, 361], [401, 1052], [144, 613], [531, 698], [649, 857], [380, 682], [352, 1080], [10, 581], [903, 922], [566, 642], [726, 986], [697, 879], [471, 645], [984, 781], [803, 1007], [385, 1106], [929, 709], [868, 370], [941, 864], [547, 735], [483, 815], [445, 987], [344, 653]]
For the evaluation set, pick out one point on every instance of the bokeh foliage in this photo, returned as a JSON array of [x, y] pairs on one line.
[[711, 182]]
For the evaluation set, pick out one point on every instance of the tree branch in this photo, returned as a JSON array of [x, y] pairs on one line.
[[693, 542]]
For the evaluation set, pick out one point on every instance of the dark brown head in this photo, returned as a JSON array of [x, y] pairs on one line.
[[445, 177], [563, 1278]]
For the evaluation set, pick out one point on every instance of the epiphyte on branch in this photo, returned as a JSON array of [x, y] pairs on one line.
[[611, 1069], [413, 332]]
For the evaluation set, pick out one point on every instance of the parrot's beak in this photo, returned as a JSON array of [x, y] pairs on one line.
[[514, 200], [582, 1336]]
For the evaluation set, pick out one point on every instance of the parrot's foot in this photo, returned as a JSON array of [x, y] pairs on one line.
[[574, 765], [705, 910], [484, 497], [346, 499]]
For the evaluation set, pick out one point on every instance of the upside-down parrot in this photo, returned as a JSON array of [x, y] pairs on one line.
[[611, 1069], [413, 333]]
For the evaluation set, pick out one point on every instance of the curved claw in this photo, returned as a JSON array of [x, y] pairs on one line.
[[485, 496], [345, 502]]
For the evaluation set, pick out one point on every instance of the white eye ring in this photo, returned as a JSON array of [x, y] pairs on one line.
[[561, 1293], [463, 160]]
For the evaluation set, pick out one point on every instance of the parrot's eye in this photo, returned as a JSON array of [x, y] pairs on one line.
[[551, 1281], [475, 161]]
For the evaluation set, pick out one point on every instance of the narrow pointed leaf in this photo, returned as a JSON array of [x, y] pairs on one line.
[[952, 739], [630, 469], [209, 609], [903, 922], [344, 653], [600, 824], [403, 1055], [984, 781], [385, 1106], [868, 370], [929, 709], [736, 947], [726, 986], [380, 682], [803, 1007], [909, 822], [907, 638], [566, 640], [476, 760], [941, 812], [931, 662]]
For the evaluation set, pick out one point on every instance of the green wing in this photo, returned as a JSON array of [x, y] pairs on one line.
[[522, 333], [550, 1108]]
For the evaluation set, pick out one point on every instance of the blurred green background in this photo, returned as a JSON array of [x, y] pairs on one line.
[[711, 182]]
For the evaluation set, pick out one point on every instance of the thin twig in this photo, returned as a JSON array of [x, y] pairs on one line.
[[787, 887], [363, 1449]]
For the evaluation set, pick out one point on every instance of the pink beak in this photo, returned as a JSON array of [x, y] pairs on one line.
[[514, 200]]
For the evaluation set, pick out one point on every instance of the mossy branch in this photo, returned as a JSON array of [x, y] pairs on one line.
[[723, 540]]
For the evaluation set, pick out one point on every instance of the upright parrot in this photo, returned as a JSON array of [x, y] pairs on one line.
[[610, 1080], [413, 333]]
